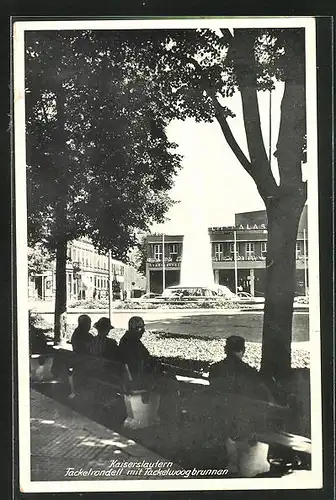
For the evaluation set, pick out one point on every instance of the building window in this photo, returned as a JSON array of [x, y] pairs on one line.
[[157, 252], [249, 249], [298, 249], [263, 247], [232, 248], [173, 249], [219, 251]]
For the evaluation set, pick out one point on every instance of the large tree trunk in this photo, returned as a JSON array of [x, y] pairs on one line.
[[284, 202], [283, 219], [61, 222], [61, 296]]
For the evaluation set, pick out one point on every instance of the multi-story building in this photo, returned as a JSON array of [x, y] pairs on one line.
[[87, 275], [245, 269]]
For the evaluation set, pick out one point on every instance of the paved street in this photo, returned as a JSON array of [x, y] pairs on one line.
[[64, 442], [203, 323]]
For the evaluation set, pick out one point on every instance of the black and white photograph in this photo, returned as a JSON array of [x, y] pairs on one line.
[[167, 254]]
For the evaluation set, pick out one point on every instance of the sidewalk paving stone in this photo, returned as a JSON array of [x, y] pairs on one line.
[[62, 440]]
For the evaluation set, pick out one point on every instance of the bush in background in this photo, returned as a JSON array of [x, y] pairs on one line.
[[35, 320], [143, 304], [89, 304]]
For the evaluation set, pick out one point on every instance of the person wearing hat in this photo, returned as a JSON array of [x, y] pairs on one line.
[[101, 345], [133, 352], [245, 400], [235, 376]]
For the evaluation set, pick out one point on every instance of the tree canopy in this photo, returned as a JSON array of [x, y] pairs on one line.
[[98, 159], [39, 259]]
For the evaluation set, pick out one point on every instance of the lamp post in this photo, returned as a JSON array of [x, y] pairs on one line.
[[110, 285], [270, 129], [235, 260], [305, 262], [163, 263]]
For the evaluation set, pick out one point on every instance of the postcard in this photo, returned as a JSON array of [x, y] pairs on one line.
[[166, 200]]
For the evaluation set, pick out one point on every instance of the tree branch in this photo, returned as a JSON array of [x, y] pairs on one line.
[[226, 34], [258, 168], [222, 120], [244, 64], [231, 140], [44, 111], [292, 129]]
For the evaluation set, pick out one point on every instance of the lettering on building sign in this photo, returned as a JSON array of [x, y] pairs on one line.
[[255, 226], [229, 229]]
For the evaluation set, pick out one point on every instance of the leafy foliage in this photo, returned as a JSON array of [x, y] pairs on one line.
[[39, 259], [140, 256], [99, 161]]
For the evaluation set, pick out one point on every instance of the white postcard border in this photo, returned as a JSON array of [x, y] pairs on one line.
[[304, 479]]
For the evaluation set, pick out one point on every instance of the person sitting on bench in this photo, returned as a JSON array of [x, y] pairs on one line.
[[236, 375], [102, 346], [146, 372], [133, 353], [37, 341], [81, 337], [245, 391]]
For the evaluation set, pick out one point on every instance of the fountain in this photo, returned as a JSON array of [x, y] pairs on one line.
[[197, 277], [196, 265]]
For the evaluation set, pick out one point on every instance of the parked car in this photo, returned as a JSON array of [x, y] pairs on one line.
[[301, 299], [150, 296], [245, 297]]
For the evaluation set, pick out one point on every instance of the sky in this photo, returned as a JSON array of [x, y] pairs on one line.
[[212, 185]]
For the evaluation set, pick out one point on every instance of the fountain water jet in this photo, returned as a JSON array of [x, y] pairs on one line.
[[196, 265]]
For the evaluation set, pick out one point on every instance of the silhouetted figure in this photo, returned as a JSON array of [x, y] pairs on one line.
[[146, 371], [37, 341], [233, 375], [246, 399], [102, 346], [81, 337], [133, 353]]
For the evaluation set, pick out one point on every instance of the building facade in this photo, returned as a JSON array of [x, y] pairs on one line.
[[87, 276], [243, 269]]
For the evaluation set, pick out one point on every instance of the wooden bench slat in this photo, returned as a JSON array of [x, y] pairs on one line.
[[297, 443]]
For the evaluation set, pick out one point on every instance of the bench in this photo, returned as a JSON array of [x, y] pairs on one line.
[[293, 441], [42, 369], [267, 424], [258, 424], [105, 380]]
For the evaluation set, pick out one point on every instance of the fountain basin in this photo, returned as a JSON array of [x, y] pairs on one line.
[[180, 292]]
